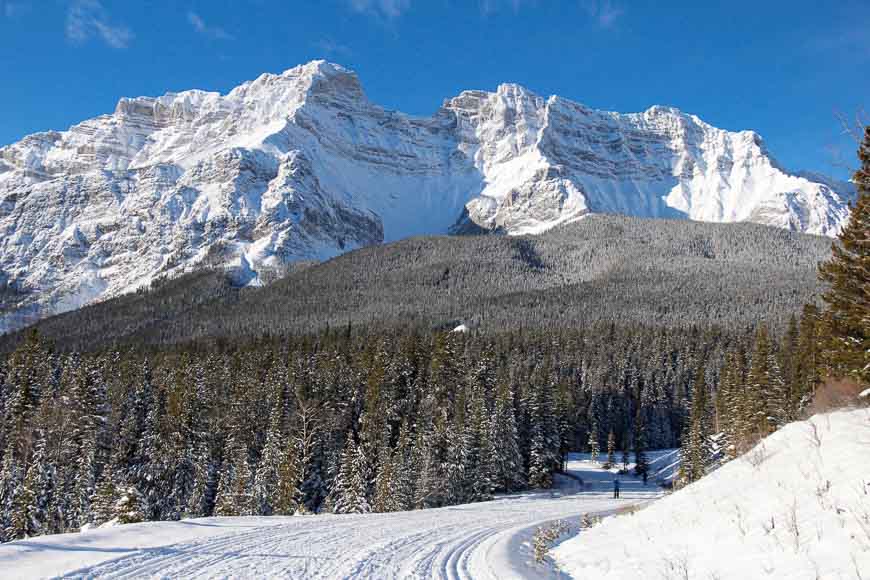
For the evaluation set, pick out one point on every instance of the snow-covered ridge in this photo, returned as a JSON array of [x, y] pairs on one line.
[[301, 165], [797, 506]]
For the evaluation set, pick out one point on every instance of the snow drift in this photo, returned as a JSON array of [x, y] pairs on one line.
[[797, 506]]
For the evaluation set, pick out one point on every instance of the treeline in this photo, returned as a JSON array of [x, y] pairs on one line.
[[355, 421], [343, 421]]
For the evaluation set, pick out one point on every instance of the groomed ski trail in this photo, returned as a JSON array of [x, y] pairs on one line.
[[483, 541]]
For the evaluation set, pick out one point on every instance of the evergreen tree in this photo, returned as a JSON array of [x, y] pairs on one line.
[[105, 496], [846, 349], [234, 493], [287, 495], [625, 455], [10, 484], [594, 449], [611, 450], [762, 384], [403, 471], [641, 465], [129, 507], [385, 484], [509, 460], [806, 372], [29, 514], [696, 451], [348, 494], [273, 455]]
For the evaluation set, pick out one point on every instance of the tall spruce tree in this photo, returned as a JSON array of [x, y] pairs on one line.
[[846, 349], [348, 494]]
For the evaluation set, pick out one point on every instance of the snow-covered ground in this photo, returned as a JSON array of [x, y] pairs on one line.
[[483, 540], [797, 506]]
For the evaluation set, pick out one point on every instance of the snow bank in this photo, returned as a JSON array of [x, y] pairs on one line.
[[797, 506]]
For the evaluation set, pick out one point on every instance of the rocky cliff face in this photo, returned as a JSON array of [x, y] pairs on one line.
[[302, 166]]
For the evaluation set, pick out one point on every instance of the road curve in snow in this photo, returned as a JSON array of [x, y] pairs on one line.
[[484, 541]]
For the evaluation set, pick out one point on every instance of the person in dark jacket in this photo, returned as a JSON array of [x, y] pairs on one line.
[[616, 488]]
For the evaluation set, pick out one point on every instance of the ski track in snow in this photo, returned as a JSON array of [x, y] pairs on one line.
[[488, 540]]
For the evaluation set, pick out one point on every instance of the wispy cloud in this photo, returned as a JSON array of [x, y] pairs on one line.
[[329, 47], [488, 7], [604, 12], [10, 9], [201, 27], [388, 9], [87, 19]]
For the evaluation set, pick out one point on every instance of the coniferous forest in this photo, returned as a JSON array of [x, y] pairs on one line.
[[380, 417]]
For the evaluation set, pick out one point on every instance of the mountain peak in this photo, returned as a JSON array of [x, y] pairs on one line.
[[299, 165]]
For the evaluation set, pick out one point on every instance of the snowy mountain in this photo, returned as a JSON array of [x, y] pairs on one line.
[[302, 165], [797, 506]]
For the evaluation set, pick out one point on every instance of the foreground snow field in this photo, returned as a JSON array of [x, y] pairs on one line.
[[484, 540], [797, 506]]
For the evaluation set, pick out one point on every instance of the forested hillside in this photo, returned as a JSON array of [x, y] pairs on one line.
[[317, 394], [349, 422], [628, 271]]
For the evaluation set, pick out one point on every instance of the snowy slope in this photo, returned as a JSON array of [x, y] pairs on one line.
[[798, 506], [486, 540], [301, 165]]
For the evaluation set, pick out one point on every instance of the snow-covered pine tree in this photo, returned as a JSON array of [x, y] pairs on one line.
[[151, 474], [193, 487], [482, 469], [348, 494], [776, 401], [385, 481], [106, 495], [429, 480], [457, 468], [287, 495], [26, 373], [91, 401], [761, 380], [729, 398], [695, 452], [30, 504], [10, 483], [509, 460], [611, 450], [267, 474], [129, 507], [234, 494], [594, 449], [403, 470]]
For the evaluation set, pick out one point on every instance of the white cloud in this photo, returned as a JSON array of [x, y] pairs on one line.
[[87, 18], [201, 27], [604, 12], [381, 8], [329, 47]]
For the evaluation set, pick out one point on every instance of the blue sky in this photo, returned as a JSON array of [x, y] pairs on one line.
[[784, 69]]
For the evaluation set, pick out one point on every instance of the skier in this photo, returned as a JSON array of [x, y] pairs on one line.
[[616, 488], [644, 477]]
